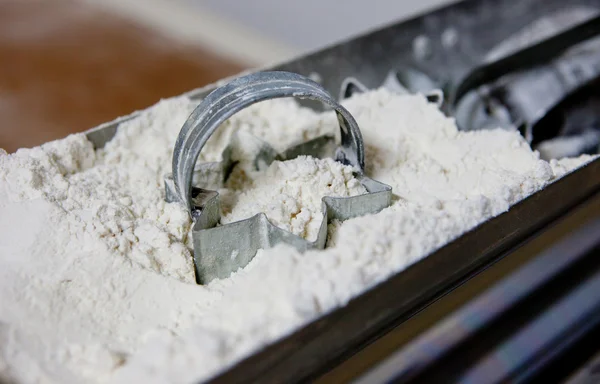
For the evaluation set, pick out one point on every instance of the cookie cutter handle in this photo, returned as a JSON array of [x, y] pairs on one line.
[[225, 101]]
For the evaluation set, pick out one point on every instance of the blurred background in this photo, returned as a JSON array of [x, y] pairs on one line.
[[69, 65]]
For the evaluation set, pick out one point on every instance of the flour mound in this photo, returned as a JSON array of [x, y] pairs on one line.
[[290, 193], [96, 274]]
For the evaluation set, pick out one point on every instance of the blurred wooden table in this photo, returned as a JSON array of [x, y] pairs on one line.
[[66, 67]]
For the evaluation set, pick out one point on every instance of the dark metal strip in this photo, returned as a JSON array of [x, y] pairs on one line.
[[418, 356]]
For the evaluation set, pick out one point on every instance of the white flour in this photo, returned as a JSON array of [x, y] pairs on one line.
[[96, 279], [290, 193]]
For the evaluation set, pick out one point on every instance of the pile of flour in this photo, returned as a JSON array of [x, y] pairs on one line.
[[290, 193], [96, 275]]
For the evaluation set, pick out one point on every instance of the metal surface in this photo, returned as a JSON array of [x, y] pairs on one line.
[[221, 250], [589, 373], [392, 83], [518, 90], [539, 53], [568, 271], [525, 97]]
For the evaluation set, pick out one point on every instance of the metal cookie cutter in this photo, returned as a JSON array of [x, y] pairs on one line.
[[221, 250], [412, 82]]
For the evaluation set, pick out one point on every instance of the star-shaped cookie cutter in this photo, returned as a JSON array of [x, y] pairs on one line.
[[220, 250]]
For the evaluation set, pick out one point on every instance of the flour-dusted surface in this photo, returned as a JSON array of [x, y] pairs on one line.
[[96, 279]]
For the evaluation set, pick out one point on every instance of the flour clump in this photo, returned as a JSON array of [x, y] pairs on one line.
[[290, 193]]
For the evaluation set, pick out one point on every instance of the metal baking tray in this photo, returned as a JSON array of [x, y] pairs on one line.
[[447, 45]]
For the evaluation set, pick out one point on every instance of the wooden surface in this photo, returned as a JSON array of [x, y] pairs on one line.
[[66, 67]]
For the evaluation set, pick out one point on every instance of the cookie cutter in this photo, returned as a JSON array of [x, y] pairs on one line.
[[412, 82], [221, 250]]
